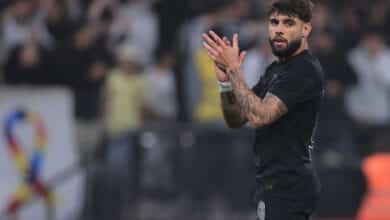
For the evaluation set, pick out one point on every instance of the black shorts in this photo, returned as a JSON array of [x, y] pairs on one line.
[[274, 208]]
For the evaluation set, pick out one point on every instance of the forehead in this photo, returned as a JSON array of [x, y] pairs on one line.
[[283, 16]]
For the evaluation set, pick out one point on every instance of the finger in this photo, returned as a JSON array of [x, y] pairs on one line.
[[215, 59], [211, 42], [217, 39], [235, 41], [212, 56], [226, 40], [210, 49], [220, 67]]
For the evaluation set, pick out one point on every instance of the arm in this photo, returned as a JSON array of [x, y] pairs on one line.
[[231, 110], [259, 112], [229, 105]]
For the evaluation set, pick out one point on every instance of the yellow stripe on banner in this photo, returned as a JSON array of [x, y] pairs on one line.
[[23, 193], [21, 163], [52, 200]]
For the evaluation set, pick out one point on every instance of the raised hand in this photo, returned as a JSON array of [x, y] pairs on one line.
[[223, 53]]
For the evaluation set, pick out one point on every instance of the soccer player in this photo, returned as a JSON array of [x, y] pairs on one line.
[[282, 107]]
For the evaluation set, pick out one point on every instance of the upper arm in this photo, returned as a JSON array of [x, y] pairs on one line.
[[300, 84], [271, 109]]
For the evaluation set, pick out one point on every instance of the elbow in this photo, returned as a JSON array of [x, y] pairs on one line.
[[258, 123]]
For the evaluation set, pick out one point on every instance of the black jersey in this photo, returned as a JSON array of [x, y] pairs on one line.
[[282, 149]]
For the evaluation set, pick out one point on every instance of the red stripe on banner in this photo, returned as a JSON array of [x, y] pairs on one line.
[[41, 131], [41, 135], [14, 205], [41, 189], [13, 145]]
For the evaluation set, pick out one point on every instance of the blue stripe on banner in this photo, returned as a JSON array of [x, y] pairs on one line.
[[35, 166]]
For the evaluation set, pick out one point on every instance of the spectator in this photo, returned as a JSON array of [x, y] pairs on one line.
[[58, 22], [161, 98], [124, 96], [136, 24], [322, 18], [24, 23], [369, 101], [350, 28], [334, 132], [198, 94], [25, 66], [257, 58], [81, 65]]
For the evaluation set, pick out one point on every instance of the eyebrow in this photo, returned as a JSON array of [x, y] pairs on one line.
[[289, 19]]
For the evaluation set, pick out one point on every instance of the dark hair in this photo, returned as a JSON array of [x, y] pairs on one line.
[[299, 8]]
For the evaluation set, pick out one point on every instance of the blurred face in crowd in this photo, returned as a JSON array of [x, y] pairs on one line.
[[374, 43], [29, 56], [84, 37], [321, 17], [287, 34], [324, 42], [56, 11], [128, 65], [23, 9]]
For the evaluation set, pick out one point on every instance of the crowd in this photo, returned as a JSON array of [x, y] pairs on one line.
[[135, 62]]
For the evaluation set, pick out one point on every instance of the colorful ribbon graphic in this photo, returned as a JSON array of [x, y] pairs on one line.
[[29, 168]]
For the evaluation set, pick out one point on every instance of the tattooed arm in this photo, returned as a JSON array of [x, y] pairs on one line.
[[231, 110], [259, 112]]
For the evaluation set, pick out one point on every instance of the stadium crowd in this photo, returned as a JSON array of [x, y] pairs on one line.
[[132, 63]]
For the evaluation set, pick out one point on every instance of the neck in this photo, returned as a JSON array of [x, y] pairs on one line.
[[304, 46]]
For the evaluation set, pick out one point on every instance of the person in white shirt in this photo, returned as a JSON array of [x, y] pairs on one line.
[[369, 101]]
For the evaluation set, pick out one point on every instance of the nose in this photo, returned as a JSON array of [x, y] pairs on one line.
[[278, 30], [279, 33]]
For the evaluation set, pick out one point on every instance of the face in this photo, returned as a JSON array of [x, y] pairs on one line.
[[287, 34]]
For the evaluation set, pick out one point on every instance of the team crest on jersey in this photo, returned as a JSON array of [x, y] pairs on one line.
[[261, 211]]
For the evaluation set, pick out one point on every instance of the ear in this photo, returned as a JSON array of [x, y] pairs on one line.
[[307, 29]]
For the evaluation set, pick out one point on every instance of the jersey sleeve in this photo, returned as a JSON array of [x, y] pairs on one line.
[[298, 85]]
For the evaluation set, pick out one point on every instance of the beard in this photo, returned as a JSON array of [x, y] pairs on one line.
[[287, 51]]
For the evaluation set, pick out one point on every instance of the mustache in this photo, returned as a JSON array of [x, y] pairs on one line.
[[279, 39]]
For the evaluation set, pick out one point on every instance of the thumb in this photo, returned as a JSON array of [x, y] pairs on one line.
[[242, 56], [235, 41]]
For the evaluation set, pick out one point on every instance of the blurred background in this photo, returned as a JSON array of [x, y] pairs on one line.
[[131, 107]]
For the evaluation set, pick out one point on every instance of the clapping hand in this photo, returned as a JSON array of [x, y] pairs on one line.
[[224, 54]]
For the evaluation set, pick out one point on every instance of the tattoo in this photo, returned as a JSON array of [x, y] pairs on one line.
[[231, 110], [259, 112]]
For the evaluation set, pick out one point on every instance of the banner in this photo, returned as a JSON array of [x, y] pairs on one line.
[[39, 173]]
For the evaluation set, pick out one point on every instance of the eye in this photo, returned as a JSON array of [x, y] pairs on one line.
[[289, 23], [273, 22]]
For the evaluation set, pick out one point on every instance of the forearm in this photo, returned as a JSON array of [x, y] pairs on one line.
[[231, 110], [258, 111], [246, 99]]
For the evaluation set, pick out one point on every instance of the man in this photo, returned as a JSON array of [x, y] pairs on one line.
[[282, 107]]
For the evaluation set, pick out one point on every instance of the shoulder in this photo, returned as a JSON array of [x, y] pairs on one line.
[[113, 76], [307, 68], [271, 66], [141, 80]]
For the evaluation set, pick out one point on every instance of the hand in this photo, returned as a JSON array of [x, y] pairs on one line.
[[221, 52], [220, 71]]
